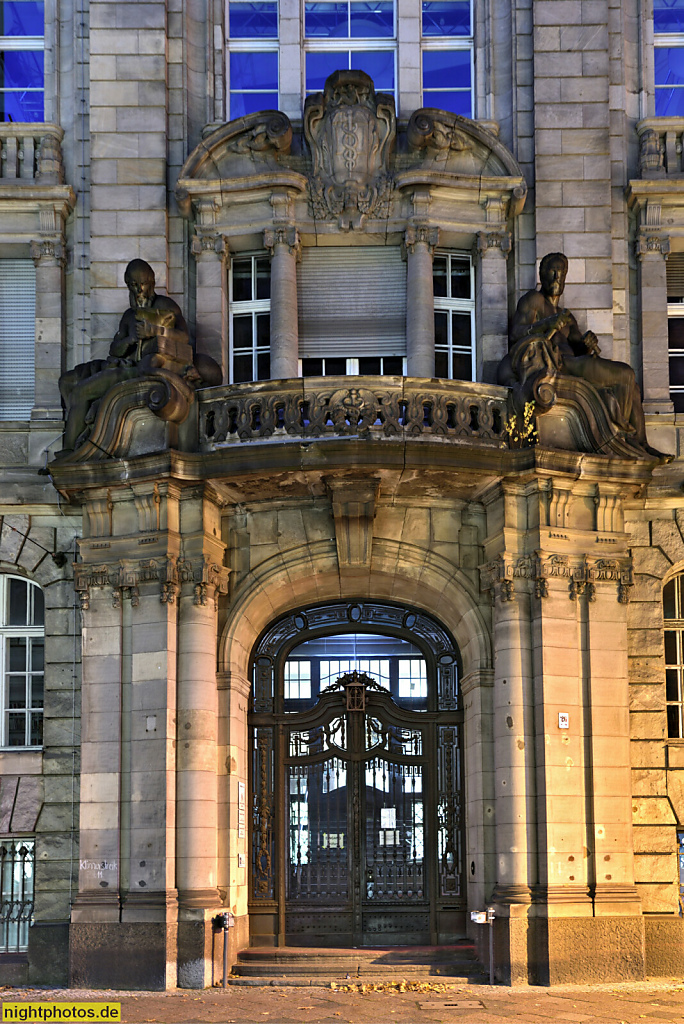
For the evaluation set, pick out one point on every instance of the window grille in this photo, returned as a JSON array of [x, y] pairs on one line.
[[22, 44], [16, 870], [454, 316], [668, 24], [17, 338], [22, 639], [250, 318]]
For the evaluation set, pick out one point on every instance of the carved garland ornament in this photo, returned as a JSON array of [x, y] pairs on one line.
[[126, 577], [582, 575]]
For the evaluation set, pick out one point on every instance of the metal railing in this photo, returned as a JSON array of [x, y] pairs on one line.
[[317, 407], [31, 152]]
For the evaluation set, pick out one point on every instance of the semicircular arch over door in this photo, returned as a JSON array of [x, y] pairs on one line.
[[356, 779]]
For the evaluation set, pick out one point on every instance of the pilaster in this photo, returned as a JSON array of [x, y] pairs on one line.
[[283, 243], [49, 258], [419, 244], [210, 250], [652, 249]]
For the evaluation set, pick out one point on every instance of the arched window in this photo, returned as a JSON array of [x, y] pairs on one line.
[[22, 638]]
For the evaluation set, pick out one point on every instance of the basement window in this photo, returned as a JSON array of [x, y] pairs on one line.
[[673, 616]]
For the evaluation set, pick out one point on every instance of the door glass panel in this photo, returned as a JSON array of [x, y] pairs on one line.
[[394, 864], [317, 831]]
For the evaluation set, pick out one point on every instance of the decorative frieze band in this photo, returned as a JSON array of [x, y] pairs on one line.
[[125, 578], [582, 575]]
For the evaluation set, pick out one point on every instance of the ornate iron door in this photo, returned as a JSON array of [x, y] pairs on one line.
[[355, 777]]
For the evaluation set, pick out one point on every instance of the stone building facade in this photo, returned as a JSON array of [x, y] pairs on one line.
[[211, 563]]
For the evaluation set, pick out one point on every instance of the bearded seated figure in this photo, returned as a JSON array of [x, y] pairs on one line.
[[545, 341], [152, 338]]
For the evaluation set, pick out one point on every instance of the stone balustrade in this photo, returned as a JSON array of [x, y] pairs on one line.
[[31, 152], [376, 407], [661, 140]]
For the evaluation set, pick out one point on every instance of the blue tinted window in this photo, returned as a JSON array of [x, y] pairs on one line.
[[446, 18], [668, 15], [254, 71], [669, 102], [326, 20], [379, 64], [243, 103], [456, 102], [21, 106], [320, 65], [446, 69], [669, 65], [21, 69], [253, 21], [22, 19], [372, 20]]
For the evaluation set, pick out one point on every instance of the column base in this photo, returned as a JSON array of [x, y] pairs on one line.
[[200, 948], [531, 948], [133, 955]]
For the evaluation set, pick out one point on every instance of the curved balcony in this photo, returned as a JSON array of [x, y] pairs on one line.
[[277, 411]]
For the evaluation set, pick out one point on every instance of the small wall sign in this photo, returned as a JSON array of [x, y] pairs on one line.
[[563, 720]]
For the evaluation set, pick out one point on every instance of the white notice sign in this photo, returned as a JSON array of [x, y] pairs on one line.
[[388, 817]]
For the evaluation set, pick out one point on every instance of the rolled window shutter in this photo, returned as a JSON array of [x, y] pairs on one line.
[[675, 276], [352, 301], [17, 338]]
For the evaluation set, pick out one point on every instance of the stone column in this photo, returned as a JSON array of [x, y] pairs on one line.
[[49, 259], [235, 872], [492, 302], [202, 577], [97, 902], [614, 891], [211, 289], [652, 250], [284, 247], [514, 770], [420, 245]]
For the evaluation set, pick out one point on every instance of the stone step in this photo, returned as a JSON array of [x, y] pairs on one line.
[[321, 966]]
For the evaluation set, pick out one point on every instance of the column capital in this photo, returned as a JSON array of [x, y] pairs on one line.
[[492, 242], [212, 246], [283, 236], [47, 251], [417, 234], [208, 579], [651, 246]]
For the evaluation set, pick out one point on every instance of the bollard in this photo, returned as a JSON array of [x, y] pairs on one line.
[[222, 922]]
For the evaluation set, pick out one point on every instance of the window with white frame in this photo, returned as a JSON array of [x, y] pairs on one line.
[[17, 338], [447, 55], [17, 858], [675, 327], [253, 57], [357, 35], [22, 50], [22, 638], [673, 621], [668, 24], [454, 316], [250, 318]]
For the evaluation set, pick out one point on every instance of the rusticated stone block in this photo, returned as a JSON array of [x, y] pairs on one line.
[[647, 754], [675, 791], [653, 839], [646, 697], [666, 535], [659, 898], [649, 782], [655, 867], [652, 811]]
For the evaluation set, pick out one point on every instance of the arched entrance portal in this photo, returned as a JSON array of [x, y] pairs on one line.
[[356, 783]]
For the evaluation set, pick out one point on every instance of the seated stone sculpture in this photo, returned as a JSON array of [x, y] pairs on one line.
[[545, 342], [152, 339]]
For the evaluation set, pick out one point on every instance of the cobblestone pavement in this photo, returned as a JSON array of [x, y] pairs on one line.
[[602, 1004]]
